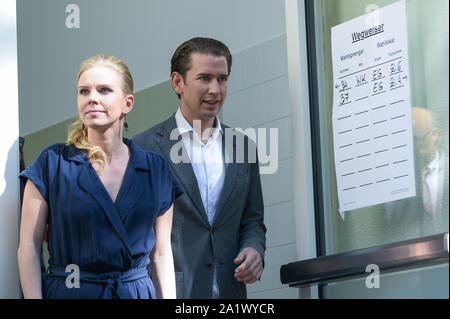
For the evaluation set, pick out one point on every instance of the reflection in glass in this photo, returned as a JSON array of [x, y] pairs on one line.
[[427, 212]]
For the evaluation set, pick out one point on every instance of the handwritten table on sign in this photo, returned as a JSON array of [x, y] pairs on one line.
[[372, 125]]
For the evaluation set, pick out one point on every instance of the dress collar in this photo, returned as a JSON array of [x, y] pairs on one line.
[[138, 155]]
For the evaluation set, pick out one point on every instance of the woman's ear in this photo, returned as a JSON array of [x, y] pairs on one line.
[[129, 102]]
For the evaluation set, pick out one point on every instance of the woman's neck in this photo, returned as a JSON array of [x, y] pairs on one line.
[[111, 144]]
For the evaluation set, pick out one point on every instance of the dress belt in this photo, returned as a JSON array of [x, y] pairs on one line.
[[114, 281]]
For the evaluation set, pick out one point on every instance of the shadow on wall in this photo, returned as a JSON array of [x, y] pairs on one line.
[[9, 215], [9, 169]]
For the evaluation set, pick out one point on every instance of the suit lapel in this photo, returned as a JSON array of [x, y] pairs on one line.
[[231, 170], [183, 170]]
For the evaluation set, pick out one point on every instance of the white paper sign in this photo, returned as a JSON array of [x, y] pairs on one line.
[[372, 127]]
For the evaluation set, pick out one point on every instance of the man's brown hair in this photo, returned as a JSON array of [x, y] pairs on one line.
[[181, 59]]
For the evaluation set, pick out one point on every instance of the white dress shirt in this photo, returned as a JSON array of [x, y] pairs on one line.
[[208, 165], [435, 182]]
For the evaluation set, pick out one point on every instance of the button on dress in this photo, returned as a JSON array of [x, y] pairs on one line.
[[110, 242]]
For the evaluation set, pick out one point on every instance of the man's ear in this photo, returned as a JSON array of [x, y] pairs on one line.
[[177, 82]]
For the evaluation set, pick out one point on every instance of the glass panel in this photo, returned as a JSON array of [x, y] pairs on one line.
[[428, 38], [427, 27], [420, 283]]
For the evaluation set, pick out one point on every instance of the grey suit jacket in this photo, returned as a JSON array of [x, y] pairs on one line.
[[238, 223]]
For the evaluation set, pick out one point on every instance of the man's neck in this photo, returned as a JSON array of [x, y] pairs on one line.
[[203, 127]]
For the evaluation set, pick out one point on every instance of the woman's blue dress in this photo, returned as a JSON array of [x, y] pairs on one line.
[[109, 242]]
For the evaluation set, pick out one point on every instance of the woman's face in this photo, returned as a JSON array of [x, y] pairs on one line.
[[101, 101]]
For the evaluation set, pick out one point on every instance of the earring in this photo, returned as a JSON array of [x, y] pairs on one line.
[[125, 124]]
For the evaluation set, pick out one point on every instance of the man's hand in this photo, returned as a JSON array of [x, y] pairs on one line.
[[251, 266]]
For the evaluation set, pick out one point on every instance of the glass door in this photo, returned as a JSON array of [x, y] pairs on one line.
[[420, 216]]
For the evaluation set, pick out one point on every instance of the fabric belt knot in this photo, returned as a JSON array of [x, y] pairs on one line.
[[113, 281]]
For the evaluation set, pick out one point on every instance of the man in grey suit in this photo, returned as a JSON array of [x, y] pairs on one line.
[[218, 232]]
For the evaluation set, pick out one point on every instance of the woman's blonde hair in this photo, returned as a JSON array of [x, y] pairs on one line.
[[78, 134]]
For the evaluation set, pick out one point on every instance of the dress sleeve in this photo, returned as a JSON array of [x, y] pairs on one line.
[[37, 172], [169, 187]]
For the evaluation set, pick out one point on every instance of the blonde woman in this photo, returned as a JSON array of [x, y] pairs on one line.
[[107, 202]]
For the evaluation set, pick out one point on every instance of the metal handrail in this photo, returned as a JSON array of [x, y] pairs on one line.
[[391, 257]]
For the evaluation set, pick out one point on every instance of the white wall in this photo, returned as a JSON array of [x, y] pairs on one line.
[[143, 33], [9, 153], [302, 170]]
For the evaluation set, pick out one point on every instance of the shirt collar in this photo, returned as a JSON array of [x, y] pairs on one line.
[[184, 126]]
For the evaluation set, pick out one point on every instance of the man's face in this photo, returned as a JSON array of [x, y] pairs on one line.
[[204, 88], [427, 137]]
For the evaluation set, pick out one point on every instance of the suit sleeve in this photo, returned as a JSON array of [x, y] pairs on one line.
[[252, 232]]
